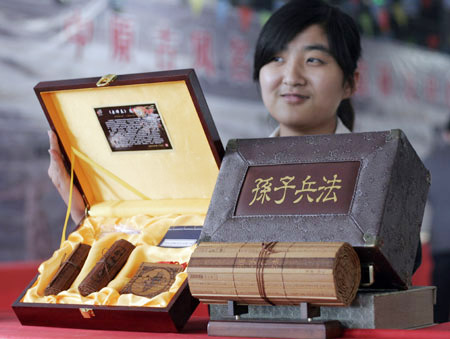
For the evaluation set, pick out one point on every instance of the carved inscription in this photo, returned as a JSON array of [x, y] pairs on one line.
[[152, 279], [319, 188]]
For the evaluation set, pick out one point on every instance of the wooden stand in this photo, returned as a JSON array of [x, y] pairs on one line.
[[313, 330], [304, 328], [376, 309]]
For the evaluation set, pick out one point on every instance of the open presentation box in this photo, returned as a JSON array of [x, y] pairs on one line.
[[145, 155]]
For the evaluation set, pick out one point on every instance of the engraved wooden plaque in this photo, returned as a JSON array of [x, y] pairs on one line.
[[152, 279]]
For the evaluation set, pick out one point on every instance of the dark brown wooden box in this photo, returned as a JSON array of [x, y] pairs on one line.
[[181, 306], [121, 318], [379, 214]]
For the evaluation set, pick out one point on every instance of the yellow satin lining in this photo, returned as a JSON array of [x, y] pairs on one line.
[[149, 207], [103, 171], [144, 231], [188, 170], [108, 173]]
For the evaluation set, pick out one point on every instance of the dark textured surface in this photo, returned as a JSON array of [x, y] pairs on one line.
[[387, 208]]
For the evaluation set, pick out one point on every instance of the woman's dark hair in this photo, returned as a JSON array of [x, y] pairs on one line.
[[296, 16]]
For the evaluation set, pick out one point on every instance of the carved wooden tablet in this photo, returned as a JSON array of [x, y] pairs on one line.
[[107, 268], [152, 279], [68, 271]]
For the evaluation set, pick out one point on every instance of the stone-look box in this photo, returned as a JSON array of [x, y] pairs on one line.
[[170, 169], [367, 189]]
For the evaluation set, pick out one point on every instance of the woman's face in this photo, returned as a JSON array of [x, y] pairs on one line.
[[303, 85]]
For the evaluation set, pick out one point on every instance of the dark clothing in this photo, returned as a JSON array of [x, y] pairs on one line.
[[439, 198], [438, 163], [441, 279]]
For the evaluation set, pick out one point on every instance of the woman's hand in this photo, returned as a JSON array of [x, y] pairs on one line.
[[61, 179]]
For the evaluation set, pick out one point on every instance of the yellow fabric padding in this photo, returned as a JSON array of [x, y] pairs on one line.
[[188, 171], [149, 207], [144, 231]]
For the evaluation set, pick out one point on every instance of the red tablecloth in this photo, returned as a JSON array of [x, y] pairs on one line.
[[195, 328], [16, 276]]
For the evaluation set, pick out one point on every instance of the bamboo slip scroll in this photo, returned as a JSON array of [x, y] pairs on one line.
[[107, 268], [275, 273]]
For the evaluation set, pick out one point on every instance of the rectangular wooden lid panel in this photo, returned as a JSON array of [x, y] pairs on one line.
[[188, 169]]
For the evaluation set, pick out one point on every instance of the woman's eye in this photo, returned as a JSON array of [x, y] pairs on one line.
[[315, 61], [277, 59]]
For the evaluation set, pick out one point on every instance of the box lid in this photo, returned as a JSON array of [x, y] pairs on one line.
[[144, 136]]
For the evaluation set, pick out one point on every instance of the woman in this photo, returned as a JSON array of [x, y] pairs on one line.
[[305, 63]]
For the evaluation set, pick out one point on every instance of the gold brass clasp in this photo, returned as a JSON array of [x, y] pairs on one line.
[[106, 80], [87, 313]]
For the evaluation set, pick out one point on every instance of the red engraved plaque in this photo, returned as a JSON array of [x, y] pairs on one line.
[[298, 189]]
